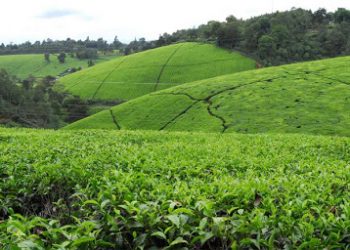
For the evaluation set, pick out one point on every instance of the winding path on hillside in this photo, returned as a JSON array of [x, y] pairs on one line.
[[208, 100], [164, 66]]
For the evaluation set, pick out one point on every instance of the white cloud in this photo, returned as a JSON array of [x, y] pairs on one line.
[[39, 19]]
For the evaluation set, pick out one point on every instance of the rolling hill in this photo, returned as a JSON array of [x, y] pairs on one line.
[[34, 64], [312, 97], [135, 75]]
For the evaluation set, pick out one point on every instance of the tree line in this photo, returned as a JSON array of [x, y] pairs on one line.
[[272, 39], [81, 49], [62, 46], [277, 38]]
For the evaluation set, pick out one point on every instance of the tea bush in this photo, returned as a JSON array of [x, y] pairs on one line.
[[172, 190]]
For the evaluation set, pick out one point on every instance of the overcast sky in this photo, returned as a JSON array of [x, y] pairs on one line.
[[23, 20]]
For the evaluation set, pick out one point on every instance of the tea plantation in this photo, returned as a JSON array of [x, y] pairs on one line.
[[172, 190], [312, 98], [138, 74], [34, 64]]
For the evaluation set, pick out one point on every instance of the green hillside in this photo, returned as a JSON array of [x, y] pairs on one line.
[[311, 97], [135, 75], [34, 64], [137, 190]]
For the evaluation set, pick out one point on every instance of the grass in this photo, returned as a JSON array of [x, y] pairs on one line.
[[142, 73], [310, 98], [34, 64], [172, 190]]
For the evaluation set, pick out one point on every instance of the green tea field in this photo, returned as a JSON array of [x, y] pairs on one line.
[[138, 74], [310, 98], [34, 64], [194, 125], [98, 189]]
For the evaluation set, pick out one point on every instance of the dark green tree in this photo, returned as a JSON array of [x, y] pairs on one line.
[[342, 15], [61, 57], [229, 35], [90, 63], [116, 43], [266, 47], [47, 57]]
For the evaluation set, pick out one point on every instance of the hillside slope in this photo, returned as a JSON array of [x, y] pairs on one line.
[[34, 64], [311, 97], [139, 74]]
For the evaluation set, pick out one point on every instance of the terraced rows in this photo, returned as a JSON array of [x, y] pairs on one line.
[[142, 73], [301, 98]]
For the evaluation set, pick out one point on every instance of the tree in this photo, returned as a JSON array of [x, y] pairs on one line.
[[61, 57], [47, 57], [90, 63], [28, 83], [127, 51], [36, 103], [160, 42], [231, 19], [101, 45], [265, 25], [116, 43], [229, 35], [48, 81], [342, 15], [166, 39], [321, 16], [266, 47], [87, 54], [335, 42], [76, 108], [211, 29], [9, 91], [280, 35], [251, 36], [347, 47]]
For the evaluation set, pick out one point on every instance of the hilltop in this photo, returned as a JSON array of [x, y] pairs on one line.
[[138, 74], [310, 97]]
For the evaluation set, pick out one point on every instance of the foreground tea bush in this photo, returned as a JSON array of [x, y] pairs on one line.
[[154, 190]]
